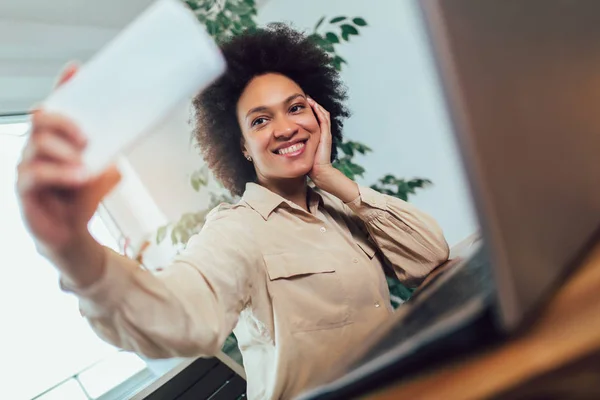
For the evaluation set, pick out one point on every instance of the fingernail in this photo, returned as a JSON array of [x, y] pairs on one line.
[[70, 66]]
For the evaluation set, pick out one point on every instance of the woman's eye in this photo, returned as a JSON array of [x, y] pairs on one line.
[[295, 108], [258, 121]]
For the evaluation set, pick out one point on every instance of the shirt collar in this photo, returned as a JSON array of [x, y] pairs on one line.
[[264, 201]]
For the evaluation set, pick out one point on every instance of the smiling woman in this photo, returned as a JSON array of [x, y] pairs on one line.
[[297, 67], [277, 128], [296, 271]]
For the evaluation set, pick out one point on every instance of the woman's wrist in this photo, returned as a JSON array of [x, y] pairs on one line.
[[83, 263], [335, 182]]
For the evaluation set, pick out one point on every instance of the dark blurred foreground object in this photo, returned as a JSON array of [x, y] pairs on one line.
[[557, 357], [217, 378], [522, 85]]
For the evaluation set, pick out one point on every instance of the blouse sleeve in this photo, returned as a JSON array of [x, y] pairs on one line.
[[411, 240], [187, 309]]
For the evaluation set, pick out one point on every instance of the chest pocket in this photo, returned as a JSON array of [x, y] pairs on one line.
[[364, 242], [367, 247], [307, 291]]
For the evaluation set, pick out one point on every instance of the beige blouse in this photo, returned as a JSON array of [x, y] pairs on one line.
[[298, 288]]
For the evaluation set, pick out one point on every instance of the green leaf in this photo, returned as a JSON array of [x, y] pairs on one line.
[[237, 27], [398, 289], [205, 5], [342, 61], [161, 233], [212, 27], [419, 183], [188, 221], [356, 169], [400, 188], [199, 178], [324, 44], [240, 9], [342, 165], [347, 148], [336, 64], [174, 236], [388, 180], [332, 37], [192, 4], [349, 30], [347, 171], [361, 148], [337, 19], [247, 21], [185, 236], [359, 21], [195, 184], [319, 23], [223, 21], [403, 186]]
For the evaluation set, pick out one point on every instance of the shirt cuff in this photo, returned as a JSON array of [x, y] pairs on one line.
[[369, 204], [102, 296]]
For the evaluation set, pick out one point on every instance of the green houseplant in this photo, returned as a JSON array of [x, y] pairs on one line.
[[226, 18]]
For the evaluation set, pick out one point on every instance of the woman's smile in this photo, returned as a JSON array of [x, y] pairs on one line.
[[292, 149]]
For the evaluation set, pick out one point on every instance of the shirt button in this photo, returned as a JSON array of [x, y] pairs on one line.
[[377, 305], [355, 260], [323, 229]]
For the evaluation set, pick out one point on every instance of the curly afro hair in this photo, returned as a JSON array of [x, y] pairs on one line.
[[274, 49]]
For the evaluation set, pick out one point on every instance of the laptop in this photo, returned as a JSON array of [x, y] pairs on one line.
[[522, 86]]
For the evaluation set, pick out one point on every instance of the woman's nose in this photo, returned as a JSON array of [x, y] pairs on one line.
[[284, 129]]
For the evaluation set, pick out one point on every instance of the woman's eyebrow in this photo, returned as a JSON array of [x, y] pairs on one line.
[[292, 97], [265, 108], [257, 109]]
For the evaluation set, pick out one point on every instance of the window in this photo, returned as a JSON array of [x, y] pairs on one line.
[[48, 350]]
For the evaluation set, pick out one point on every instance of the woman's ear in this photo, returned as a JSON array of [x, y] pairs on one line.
[[244, 151]]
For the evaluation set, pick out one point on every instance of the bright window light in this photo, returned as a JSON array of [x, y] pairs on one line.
[[69, 390], [44, 339]]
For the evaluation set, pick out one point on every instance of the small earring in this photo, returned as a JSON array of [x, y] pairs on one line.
[[249, 158]]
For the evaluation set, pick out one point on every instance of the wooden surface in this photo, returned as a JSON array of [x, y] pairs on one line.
[[560, 346]]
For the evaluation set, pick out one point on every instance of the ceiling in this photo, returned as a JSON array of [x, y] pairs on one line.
[[37, 37], [99, 13]]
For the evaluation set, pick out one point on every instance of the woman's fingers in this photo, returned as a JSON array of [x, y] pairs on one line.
[[45, 121], [42, 174], [67, 73], [322, 114], [47, 145]]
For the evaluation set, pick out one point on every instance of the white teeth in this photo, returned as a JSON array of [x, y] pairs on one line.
[[293, 148]]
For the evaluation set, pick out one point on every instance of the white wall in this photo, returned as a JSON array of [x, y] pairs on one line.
[[396, 101], [165, 160]]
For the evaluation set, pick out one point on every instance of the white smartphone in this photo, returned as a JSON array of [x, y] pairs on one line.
[[163, 58]]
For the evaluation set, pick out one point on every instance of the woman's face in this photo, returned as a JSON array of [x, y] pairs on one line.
[[280, 131]]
